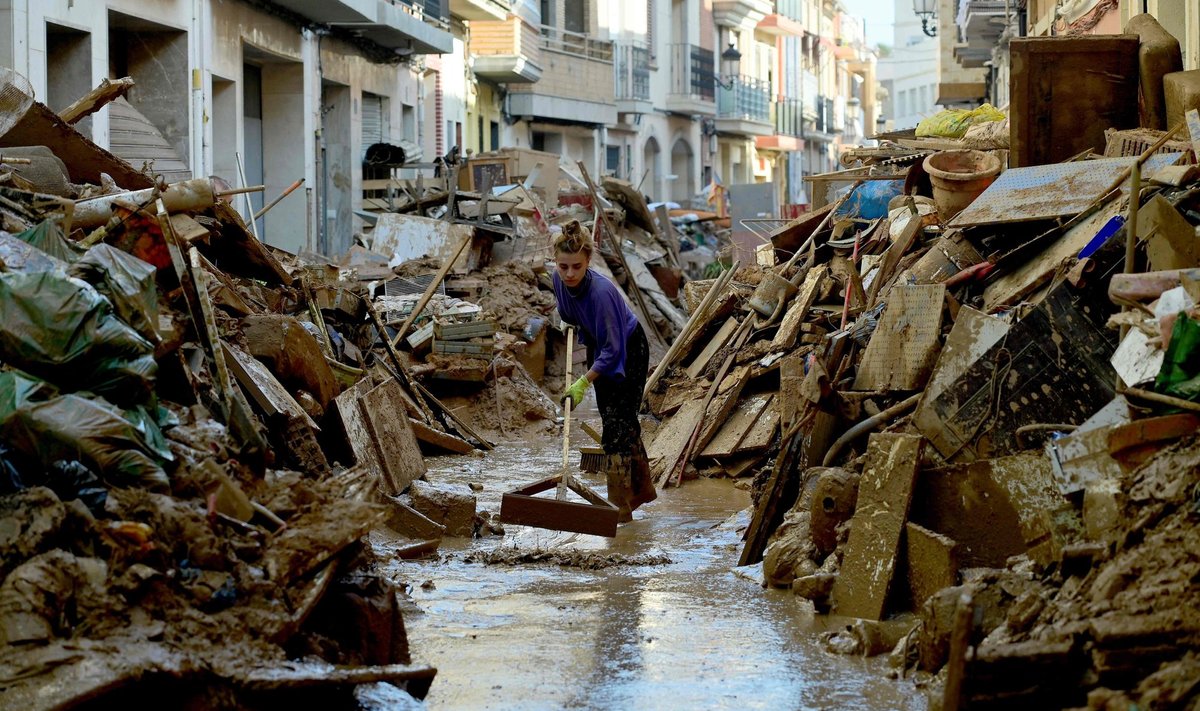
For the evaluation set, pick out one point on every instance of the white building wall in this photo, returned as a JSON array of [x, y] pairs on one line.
[[221, 37], [911, 69]]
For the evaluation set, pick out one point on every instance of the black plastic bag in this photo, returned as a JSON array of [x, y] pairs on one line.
[[72, 480]]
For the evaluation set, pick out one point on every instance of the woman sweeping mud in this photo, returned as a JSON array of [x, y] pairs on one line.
[[618, 354]]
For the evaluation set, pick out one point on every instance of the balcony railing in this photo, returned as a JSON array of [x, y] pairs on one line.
[[788, 117], [747, 98], [433, 11], [793, 9], [631, 72], [576, 43], [692, 72], [827, 119]]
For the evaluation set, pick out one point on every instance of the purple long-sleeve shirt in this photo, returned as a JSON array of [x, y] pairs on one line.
[[606, 321]]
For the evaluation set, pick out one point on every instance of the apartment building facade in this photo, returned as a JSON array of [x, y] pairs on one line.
[[672, 95], [254, 92], [675, 95]]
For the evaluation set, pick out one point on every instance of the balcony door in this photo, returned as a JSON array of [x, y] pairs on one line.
[[575, 16], [679, 23]]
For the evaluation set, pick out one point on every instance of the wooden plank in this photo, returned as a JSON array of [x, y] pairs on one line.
[[676, 395], [443, 440], [673, 433], [932, 562], [355, 426], [797, 312], [266, 391], [729, 388], [762, 433], [1193, 124], [790, 402], [298, 674], [731, 433], [1010, 288], [743, 465], [716, 343], [884, 494], [723, 402], [463, 331], [778, 495], [906, 342], [974, 332], [399, 454], [1055, 80], [188, 229], [960, 642], [107, 91], [892, 257]]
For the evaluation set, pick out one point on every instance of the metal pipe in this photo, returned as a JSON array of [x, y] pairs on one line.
[[239, 191], [1140, 394], [194, 194], [249, 204], [279, 199], [867, 425]]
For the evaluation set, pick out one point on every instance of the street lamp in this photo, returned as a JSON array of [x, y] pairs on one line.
[[730, 64], [926, 10]]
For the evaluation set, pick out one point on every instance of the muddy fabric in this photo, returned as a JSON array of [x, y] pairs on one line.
[[619, 400]]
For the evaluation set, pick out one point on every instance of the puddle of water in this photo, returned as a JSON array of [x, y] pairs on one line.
[[686, 634]]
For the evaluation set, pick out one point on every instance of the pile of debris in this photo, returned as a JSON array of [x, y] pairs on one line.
[[461, 279], [974, 398], [198, 430]]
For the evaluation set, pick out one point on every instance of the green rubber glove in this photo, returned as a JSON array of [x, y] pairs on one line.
[[577, 390]]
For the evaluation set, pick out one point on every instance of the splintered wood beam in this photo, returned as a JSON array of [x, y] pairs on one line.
[[105, 93]]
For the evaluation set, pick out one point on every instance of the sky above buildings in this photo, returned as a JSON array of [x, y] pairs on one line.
[[879, 16]]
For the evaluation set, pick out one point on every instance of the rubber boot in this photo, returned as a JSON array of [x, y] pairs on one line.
[[616, 475], [642, 483]]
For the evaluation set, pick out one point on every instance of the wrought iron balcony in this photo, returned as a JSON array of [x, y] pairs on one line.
[[788, 117], [631, 72], [828, 120], [692, 75], [747, 99]]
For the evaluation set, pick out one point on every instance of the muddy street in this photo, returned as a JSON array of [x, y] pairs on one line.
[[685, 634]]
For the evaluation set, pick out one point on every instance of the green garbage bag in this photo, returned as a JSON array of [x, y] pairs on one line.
[[17, 255], [48, 236], [17, 388], [61, 329], [126, 281], [72, 427], [1180, 373], [148, 425]]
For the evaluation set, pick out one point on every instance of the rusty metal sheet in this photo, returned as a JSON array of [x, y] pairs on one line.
[[1043, 192]]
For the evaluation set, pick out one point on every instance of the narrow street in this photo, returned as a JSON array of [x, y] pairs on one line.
[[686, 634]]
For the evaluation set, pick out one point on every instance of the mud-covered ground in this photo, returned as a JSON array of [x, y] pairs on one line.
[[654, 618]]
